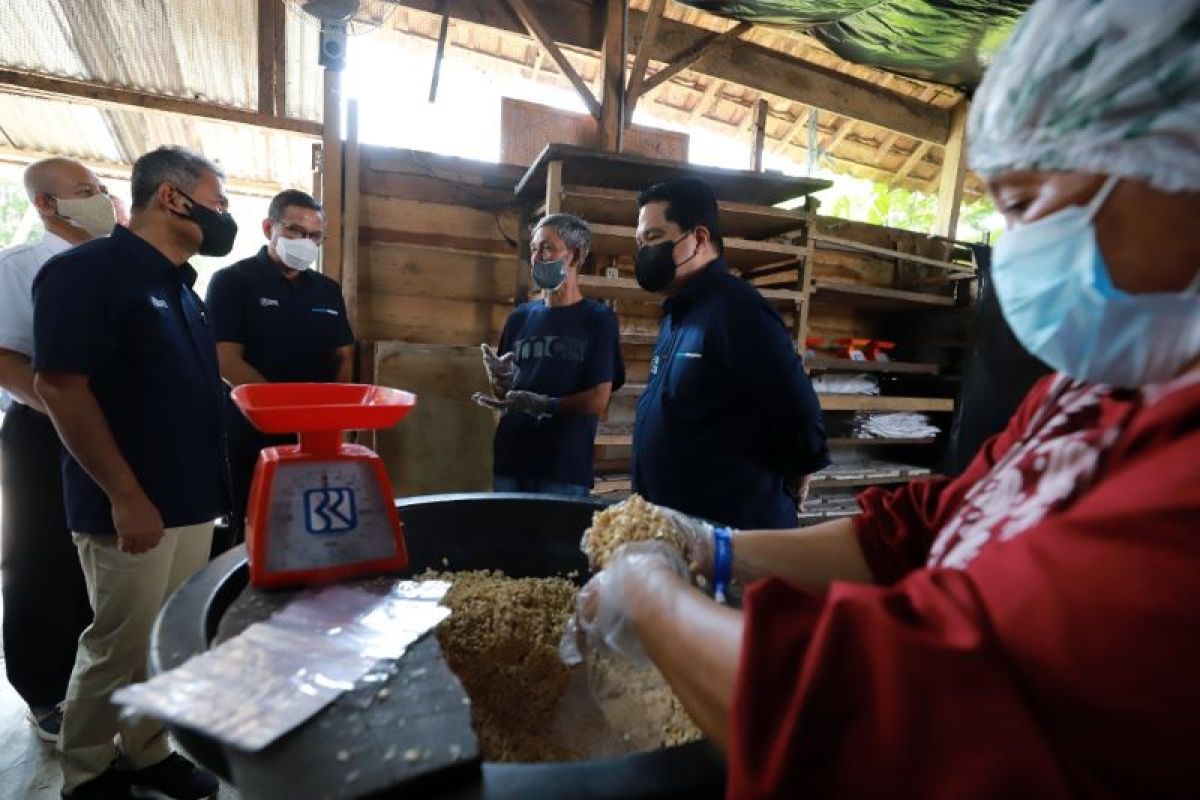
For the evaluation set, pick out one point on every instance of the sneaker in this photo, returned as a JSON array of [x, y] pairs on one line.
[[108, 785], [174, 777], [47, 722]]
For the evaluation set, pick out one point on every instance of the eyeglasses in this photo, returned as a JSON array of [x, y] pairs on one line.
[[300, 232]]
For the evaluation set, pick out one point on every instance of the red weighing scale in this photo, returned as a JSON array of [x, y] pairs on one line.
[[321, 510]]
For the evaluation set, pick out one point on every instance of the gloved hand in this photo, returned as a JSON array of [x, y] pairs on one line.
[[518, 401], [695, 535], [501, 370], [601, 620]]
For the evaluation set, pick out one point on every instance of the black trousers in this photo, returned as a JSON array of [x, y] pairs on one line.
[[243, 442], [46, 604]]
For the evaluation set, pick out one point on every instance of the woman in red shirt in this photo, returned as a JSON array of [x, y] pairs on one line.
[[1032, 627]]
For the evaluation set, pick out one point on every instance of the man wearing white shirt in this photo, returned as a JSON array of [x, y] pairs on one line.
[[45, 599]]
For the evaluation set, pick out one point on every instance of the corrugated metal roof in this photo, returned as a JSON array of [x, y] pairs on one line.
[[204, 50]]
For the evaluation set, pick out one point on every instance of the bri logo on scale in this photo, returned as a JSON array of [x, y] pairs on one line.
[[330, 509]]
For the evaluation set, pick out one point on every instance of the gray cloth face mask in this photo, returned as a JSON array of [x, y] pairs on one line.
[[549, 275]]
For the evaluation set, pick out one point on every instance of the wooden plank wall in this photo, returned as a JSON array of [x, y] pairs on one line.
[[526, 128], [437, 276], [435, 264]]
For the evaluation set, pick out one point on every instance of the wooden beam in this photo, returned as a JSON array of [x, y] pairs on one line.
[[612, 110], [350, 219], [886, 146], [331, 174], [122, 171], [702, 104], [954, 170], [842, 132], [744, 63], [760, 135], [693, 54], [440, 53], [32, 85], [638, 74], [781, 145], [913, 159], [535, 28]]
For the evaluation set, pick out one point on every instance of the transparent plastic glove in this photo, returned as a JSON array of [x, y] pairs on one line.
[[601, 621], [695, 534], [501, 370], [518, 402]]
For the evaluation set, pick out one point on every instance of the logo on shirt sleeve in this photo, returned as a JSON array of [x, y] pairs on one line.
[[268, 302], [158, 302]]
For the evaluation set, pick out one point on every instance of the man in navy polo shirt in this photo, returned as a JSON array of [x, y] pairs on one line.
[[127, 369], [275, 319], [558, 365], [728, 428]]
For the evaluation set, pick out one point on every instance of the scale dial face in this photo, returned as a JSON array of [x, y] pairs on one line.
[[327, 514]]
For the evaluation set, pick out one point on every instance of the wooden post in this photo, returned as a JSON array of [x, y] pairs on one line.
[[538, 31], [691, 56], [266, 55], [760, 135], [612, 110], [351, 202], [553, 187], [642, 59], [331, 175], [954, 170]]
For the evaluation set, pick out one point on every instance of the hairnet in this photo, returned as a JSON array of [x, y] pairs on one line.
[[1103, 86]]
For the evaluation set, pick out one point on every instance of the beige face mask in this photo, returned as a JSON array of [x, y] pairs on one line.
[[94, 214]]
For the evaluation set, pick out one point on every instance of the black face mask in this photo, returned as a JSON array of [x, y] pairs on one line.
[[217, 229], [654, 265]]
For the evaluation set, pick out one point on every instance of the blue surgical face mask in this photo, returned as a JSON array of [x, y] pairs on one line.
[[550, 275], [1059, 299]]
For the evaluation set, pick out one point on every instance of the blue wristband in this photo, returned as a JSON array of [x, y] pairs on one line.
[[722, 561]]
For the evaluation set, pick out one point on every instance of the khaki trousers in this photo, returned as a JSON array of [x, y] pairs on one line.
[[126, 592]]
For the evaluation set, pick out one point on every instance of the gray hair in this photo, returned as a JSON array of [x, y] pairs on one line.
[[574, 232], [168, 164]]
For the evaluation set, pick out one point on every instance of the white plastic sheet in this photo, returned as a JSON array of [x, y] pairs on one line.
[[256, 687]]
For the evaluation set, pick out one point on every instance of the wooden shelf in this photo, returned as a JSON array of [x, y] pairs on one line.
[[867, 473], [614, 434], [612, 483], [957, 271], [865, 402], [827, 364], [582, 165], [876, 441], [630, 390], [619, 207], [600, 287], [740, 254], [639, 338], [876, 297]]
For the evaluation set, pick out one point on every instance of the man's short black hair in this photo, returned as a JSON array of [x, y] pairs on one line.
[[690, 204], [168, 164], [291, 197]]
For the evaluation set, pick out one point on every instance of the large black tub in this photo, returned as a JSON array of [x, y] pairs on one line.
[[523, 535]]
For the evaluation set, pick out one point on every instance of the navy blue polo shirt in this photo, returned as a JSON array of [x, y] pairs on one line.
[[728, 417], [117, 310], [290, 329], [560, 351]]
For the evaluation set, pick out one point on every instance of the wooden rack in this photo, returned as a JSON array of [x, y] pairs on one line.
[[826, 277]]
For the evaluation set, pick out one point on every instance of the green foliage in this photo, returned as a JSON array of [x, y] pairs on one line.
[[880, 204], [13, 206]]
